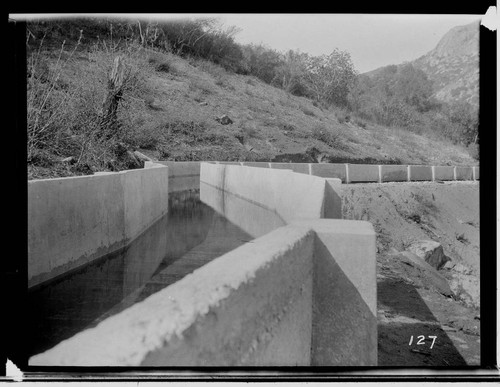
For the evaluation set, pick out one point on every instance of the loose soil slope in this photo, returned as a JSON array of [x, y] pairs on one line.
[[408, 302]]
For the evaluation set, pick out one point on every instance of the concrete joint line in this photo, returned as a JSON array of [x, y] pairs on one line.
[[474, 173], [347, 174], [269, 165], [310, 168], [409, 173], [433, 173], [380, 173], [455, 173]]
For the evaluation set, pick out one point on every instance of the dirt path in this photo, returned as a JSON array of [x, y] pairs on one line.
[[418, 324]]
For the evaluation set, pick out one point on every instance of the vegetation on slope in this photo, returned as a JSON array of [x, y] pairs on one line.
[[99, 89], [403, 96]]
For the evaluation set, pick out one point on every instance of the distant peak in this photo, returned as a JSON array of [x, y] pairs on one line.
[[460, 40]]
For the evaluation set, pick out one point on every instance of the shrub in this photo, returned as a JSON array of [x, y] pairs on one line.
[[330, 77], [261, 61]]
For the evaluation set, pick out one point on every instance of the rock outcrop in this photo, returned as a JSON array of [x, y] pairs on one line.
[[430, 251]]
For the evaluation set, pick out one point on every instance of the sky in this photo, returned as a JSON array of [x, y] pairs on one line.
[[372, 40]]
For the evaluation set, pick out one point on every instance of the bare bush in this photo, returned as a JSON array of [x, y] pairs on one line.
[[65, 112]]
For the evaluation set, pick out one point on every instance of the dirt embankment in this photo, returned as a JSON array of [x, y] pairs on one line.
[[409, 302]]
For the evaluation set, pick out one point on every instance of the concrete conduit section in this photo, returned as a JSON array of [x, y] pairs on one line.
[[185, 175], [251, 306], [302, 294], [262, 304], [75, 220]]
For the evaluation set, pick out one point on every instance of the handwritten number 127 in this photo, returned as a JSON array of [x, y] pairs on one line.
[[421, 340]]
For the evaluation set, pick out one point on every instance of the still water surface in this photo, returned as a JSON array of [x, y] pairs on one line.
[[189, 236]]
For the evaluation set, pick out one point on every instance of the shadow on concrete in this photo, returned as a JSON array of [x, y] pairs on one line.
[[404, 315], [344, 328], [332, 203]]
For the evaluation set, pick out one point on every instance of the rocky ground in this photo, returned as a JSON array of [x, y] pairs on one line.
[[428, 310]]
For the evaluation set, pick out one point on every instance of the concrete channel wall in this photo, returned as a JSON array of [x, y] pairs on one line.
[[303, 294], [183, 173], [74, 220], [288, 194]]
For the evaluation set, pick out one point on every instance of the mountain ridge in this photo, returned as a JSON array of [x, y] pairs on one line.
[[452, 66]]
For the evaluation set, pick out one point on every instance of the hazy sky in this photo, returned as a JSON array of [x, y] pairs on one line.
[[372, 40]]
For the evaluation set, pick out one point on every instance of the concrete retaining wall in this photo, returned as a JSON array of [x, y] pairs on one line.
[[183, 172], [229, 162], [420, 172], [254, 306], [464, 173], [338, 171], [393, 173], [362, 173], [74, 220], [255, 164], [444, 173], [296, 167]]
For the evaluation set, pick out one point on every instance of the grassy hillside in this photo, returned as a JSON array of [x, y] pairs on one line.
[[170, 109]]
